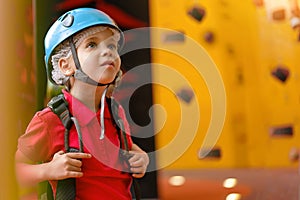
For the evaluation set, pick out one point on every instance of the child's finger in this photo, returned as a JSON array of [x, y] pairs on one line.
[[138, 175], [136, 170], [79, 155], [136, 163]]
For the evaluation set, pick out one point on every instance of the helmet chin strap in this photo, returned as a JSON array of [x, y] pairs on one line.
[[79, 74]]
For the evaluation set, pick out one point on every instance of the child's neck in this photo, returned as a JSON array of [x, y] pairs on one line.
[[88, 95]]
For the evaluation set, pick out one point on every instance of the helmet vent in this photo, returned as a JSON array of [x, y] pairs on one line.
[[67, 20]]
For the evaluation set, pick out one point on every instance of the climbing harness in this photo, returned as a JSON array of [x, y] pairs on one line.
[[66, 189]]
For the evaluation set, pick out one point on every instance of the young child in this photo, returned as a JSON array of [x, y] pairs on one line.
[[81, 50]]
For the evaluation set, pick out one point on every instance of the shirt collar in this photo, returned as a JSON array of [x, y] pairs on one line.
[[81, 112]]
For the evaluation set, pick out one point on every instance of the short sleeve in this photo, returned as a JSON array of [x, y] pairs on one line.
[[37, 143]]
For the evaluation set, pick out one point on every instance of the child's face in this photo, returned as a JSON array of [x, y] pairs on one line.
[[98, 56]]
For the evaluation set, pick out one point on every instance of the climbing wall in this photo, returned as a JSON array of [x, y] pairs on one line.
[[254, 54]]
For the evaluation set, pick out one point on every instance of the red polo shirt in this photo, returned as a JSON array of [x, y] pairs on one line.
[[103, 177]]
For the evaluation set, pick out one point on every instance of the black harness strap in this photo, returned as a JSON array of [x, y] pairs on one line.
[[66, 189], [114, 108], [126, 154], [59, 106]]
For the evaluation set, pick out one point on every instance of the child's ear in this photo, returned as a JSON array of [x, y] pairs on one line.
[[65, 66]]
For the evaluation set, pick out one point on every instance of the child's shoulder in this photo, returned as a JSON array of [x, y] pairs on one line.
[[46, 114], [45, 118]]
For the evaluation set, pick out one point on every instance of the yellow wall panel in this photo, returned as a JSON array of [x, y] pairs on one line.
[[246, 48]]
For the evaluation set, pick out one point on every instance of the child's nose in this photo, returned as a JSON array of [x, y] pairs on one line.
[[106, 52]]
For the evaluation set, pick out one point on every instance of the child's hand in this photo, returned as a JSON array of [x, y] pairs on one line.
[[66, 165], [138, 161]]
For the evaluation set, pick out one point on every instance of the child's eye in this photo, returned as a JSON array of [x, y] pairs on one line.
[[91, 45], [112, 47]]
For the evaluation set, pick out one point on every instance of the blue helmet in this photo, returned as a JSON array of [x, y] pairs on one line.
[[71, 23]]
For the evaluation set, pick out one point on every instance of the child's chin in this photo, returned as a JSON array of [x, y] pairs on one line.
[[106, 81]]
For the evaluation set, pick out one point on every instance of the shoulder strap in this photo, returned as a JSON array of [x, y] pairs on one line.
[[114, 109], [118, 121], [59, 106], [66, 189]]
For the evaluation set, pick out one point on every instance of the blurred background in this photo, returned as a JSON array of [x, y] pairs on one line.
[[253, 44]]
